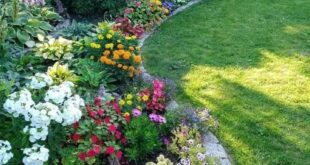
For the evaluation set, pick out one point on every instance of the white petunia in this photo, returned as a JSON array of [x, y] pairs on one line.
[[40, 80], [5, 152], [36, 155]]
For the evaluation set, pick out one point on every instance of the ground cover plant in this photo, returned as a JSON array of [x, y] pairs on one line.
[[248, 61]]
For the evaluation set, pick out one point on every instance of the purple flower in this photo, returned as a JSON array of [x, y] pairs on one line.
[[166, 141], [136, 112], [153, 117]]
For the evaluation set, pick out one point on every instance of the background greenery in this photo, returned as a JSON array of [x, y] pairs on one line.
[[249, 62]]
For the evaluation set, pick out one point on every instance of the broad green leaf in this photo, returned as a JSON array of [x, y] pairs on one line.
[[22, 36]]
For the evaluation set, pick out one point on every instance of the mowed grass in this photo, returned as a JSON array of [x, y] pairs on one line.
[[249, 62]]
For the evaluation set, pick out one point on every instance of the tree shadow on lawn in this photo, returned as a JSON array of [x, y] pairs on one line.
[[264, 130]]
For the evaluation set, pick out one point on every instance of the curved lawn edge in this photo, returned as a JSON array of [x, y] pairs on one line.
[[212, 145]]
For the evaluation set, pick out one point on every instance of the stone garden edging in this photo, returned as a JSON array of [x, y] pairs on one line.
[[210, 142]]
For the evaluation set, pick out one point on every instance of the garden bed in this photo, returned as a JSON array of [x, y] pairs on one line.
[[79, 96]]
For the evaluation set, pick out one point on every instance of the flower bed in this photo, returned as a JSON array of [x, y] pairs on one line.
[[82, 100]]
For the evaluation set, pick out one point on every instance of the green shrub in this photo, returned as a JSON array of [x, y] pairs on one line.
[[77, 30], [91, 7], [143, 139]]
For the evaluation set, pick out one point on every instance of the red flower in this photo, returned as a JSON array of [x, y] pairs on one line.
[[97, 149], [101, 112], [98, 122], [118, 135], [124, 140], [98, 101], [82, 156], [116, 108], [92, 114], [127, 118], [109, 150], [119, 154], [107, 120], [112, 128], [91, 153], [76, 137], [76, 125], [94, 139]]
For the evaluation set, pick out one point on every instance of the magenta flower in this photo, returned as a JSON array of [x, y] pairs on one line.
[[136, 112]]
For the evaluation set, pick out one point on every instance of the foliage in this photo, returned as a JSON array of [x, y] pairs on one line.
[[161, 160], [120, 53], [125, 26], [99, 134], [54, 49], [61, 73], [94, 7], [24, 23], [186, 143], [143, 138], [77, 30], [146, 13]]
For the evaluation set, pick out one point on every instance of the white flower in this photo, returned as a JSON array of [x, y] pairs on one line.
[[71, 111], [38, 133], [36, 155], [5, 153], [19, 104], [50, 110], [191, 141], [185, 149], [59, 93], [201, 156], [184, 161], [40, 80]]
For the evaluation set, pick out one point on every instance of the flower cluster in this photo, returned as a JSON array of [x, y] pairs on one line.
[[36, 155], [161, 160], [5, 152], [125, 26], [33, 2], [116, 50], [39, 81], [186, 143], [99, 132], [145, 13], [54, 49]]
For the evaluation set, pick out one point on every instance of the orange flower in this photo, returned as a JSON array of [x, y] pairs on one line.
[[106, 53], [120, 46], [103, 59], [121, 52], [126, 55], [138, 59], [115, 56], [125, 67], [119, 65], [113, 62], [131, 48]]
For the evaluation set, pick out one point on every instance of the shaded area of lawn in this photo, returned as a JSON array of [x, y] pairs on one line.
[[248, 61]]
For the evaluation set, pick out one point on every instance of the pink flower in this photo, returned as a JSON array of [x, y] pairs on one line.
[[128, 11], [97, 149], [136, 112], [82, 156], [109, 150], [138, 4], [98, 101]]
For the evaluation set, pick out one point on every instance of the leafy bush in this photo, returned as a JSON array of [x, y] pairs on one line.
[[143, 138], [22, 23], [77, 30], [94, 7]]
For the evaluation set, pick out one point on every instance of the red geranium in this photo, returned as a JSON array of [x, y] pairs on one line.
[[91, 153], [82, 156], [112, 128], [109, 150], [76, 125], [98, 122], [76, 137], [98, 101], [94, 139], [119, 154], [118, 135], [97, 149], [107, 120], [101, 112]]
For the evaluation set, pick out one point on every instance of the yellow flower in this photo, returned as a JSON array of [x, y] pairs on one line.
[[100, 37], [121, 102], [131, 48], [137, 48], [137, 59], [120, 46], [133, 37], [109, 46], [126, 114], [139, 107], [106, 53], [109, 36], [145, 97], [129, 96], [115, 56], [126, 55], [125, 67], [119, 65], [111, 32], [129, 102]]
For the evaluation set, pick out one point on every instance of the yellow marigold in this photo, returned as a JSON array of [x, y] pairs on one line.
[[126, 114], [121, 102], [126, 55], [129, 102], [129, 96], [137, 59], [103, 59], [109, 36], [128, 38], [115, 56], [131, 68], [119, 65], [121, 52], [120, 46], [133, 37], [106, 53], [109, 46], [111, 31], [125, 67], [131, 48], [100, 37], [145, 97]]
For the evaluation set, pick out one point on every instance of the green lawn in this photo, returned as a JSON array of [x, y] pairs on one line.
[[249, 62]]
